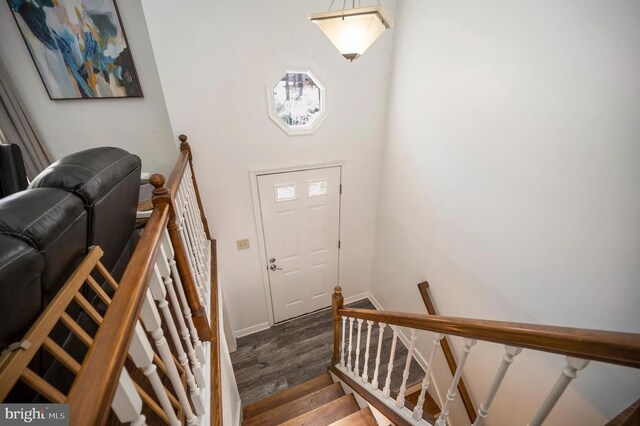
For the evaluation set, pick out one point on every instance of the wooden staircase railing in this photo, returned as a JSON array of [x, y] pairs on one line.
[[579, 346], [156, 317], [423, 287]]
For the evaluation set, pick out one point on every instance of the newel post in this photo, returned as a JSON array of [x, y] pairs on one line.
[[337, 301], [185, 147], [161, 195]]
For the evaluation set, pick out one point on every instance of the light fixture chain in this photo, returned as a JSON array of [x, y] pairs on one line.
[[331, 5]]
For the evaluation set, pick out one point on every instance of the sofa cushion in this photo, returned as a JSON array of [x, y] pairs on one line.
[[20, 293], [89, 174], [107, 180], [38, 216], [53, 222]]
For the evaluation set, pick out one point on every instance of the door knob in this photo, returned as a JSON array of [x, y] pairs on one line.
[[272, 260], [273, 267]]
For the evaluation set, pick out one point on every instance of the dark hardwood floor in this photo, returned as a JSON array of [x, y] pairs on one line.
[[298, 350]]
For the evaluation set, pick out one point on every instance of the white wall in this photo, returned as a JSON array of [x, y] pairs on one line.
[[510, 182], [214, 59], [141, 126]]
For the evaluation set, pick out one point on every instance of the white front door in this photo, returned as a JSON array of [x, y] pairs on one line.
[[301, 224]]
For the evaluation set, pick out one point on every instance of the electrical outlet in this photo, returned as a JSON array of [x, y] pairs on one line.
[[242, 244]]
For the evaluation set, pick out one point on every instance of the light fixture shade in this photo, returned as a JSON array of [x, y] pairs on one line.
[[352, 31]]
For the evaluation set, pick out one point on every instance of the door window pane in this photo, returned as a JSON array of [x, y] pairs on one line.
[[317, 188], [285, 192]]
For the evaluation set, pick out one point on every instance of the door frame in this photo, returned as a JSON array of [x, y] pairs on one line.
[[262, 247]]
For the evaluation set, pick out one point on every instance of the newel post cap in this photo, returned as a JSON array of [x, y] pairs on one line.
[[184, 145]]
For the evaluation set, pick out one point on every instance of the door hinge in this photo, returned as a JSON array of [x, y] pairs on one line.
[[341, 188], [338, 243]]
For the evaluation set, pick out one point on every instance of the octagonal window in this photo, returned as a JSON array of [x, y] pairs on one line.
[[297, 102]]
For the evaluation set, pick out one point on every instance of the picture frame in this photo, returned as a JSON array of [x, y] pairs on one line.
[[79, 48]]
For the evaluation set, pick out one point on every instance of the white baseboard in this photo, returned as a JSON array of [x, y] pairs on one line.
[[265, 325], [356, 297], [250, 330], [374, 301]]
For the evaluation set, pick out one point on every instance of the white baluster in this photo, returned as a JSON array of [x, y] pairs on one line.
[[192, 190], [386, 391], [507, 359], [197, 219], [451, 393], [186, 311], [417, 412], [569, 373], [405, 374], [186, 241], [198, 230], [374, 383], [343, 361], [127, 403], [357, 368], [193, 239], [349, 365], [196, 264], [190, 205], [142, 356], [158, 290], [165, 272], [365, 371], [192, 268], [152, 323]]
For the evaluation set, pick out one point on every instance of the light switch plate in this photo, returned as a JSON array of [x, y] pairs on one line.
[[242, 244]]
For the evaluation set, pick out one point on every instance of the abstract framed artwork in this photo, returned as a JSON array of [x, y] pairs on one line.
[[79, 48]]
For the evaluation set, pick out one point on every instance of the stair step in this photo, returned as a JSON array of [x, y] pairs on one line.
[[288, 395], [326, 414], [430, 406], [297, 407], [362, 417]]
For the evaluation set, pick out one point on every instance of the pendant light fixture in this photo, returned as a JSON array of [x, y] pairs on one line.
[[353, 30]]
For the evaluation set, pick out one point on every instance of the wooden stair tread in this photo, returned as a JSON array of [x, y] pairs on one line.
[[285, 396], [430, 406], [297, 407], [362, 417], [326, 414]]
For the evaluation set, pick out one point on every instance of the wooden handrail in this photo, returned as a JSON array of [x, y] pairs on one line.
[[176, 174], [93, 390], [607, 346], [629, 417], [423, 287]]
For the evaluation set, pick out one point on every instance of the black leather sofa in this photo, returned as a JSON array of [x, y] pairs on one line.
[[84, 199], [13, 176]]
